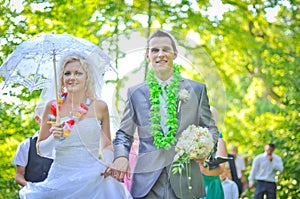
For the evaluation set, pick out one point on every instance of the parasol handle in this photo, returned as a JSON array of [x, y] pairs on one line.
[[56, 90]]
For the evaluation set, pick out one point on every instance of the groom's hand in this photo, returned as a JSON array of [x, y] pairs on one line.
[[200, 160], [120, 168]]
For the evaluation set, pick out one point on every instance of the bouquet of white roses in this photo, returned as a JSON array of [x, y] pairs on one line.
[[194, 143]]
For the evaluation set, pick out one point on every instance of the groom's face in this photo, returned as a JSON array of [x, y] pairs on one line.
[[161, 54]]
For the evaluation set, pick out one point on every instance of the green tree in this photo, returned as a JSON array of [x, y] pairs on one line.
[[248, 61]]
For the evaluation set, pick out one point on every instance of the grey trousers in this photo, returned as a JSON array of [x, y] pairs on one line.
[[162, 188]]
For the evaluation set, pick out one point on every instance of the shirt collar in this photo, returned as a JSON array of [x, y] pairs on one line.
[[226, 180], [36, 134], [168, 81]]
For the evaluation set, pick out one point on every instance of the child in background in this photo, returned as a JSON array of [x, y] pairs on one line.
[[230, 188]]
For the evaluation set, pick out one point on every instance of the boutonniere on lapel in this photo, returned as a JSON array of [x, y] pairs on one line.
[[183, 96]]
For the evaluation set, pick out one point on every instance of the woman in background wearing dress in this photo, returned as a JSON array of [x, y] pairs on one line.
[[212, 182]]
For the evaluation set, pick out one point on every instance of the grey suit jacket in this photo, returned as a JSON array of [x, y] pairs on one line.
[[150, 160]]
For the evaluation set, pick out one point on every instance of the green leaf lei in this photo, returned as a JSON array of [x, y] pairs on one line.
[[160, 140]]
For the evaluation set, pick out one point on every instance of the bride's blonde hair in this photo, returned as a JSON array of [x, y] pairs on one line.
[[95, 63]]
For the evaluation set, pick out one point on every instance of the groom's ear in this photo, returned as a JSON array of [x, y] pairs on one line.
[[175, 54], [147, 56]]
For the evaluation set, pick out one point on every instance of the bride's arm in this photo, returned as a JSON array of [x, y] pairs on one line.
[[45, 142], [44, 130], [105, 137]]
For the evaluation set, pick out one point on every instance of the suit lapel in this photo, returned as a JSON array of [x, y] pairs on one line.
[[179, 107], [147, 94]]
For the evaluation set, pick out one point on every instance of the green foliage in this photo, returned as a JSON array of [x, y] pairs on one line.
[[249, 64], [16, 124]]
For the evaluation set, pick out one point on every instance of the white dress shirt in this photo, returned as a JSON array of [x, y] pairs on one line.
[[21, 156], [264, 169], [164, 105], [230, 189], [239, 165]]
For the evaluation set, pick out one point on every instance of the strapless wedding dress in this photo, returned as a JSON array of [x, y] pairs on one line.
[[76, 170]]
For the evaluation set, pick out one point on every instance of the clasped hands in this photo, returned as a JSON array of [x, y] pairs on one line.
[[118, 170]]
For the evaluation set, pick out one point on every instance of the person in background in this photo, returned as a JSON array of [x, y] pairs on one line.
[[240, 168], [212, 182], [233, 173], [30, 167], [264, 169], [132, 159], [230, 188]]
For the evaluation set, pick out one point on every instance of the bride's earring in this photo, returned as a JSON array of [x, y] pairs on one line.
[[87, 98], [63, 89]]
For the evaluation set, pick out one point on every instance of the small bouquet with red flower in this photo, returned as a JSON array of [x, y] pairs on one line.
[[68, 125]]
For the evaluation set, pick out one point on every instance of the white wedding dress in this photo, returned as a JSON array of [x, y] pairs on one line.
[[76, 170]]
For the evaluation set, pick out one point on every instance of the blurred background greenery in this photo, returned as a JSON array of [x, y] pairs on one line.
[[246, 51]]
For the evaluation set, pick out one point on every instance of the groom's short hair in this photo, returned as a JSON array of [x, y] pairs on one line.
[[160, 33]]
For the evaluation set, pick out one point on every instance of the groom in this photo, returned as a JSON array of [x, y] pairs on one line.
[[160, 115]]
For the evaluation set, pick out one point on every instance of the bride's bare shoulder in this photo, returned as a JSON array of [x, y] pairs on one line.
[[100, 105]]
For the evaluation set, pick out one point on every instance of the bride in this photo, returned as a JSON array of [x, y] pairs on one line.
[[74, 143]]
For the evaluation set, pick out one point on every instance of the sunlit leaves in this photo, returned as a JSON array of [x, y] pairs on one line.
[[257, 60]]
